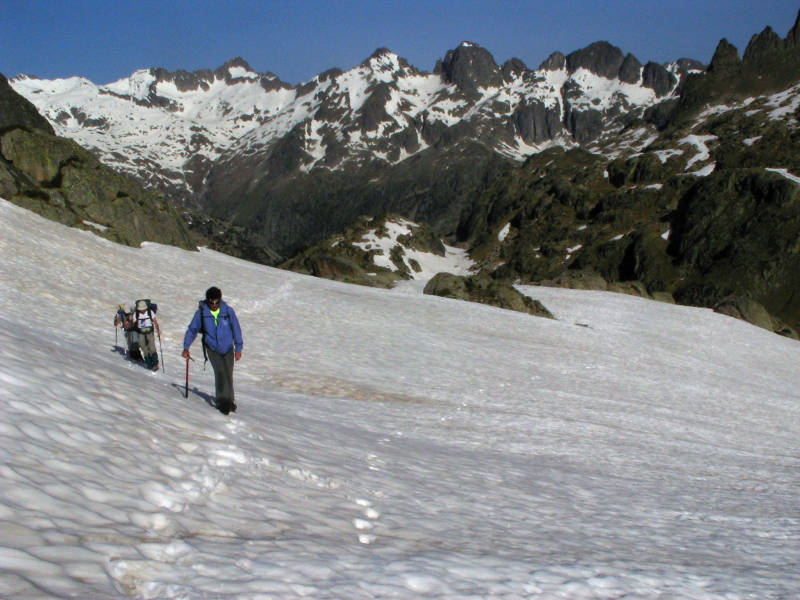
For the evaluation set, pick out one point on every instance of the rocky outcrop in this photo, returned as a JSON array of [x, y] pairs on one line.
[[485, 290], [16, 113], [747, 309], [736, 233]]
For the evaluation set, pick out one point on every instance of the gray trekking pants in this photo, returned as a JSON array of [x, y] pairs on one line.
[[147, 343], [223, 375]]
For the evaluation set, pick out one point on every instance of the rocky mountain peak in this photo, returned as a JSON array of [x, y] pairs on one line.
[[793, 37], [470, 67], [555, 62], [384, 60], [726, 57], [762, 43], [236, 61], [236, 68], [769, 43], [379, 53], [600, 58], [513, 68]]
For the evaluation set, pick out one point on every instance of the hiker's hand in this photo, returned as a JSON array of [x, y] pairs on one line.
[[237, 355], [185, 354]]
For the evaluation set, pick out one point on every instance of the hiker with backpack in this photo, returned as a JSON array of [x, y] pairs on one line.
[[124, 320], [146, 325], [222, 344]]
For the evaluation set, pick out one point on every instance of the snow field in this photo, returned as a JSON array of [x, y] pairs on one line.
[[387, 444]]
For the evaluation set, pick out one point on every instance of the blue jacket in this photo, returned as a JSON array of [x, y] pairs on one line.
[[220, 338]]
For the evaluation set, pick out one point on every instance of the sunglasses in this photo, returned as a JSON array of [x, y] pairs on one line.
[[214, 302]]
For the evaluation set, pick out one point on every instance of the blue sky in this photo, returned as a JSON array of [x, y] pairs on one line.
[[108, 40]]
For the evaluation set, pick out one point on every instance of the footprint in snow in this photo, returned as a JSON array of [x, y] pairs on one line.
[[364, 525]]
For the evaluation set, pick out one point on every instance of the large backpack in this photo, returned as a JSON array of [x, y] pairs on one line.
[[152, 309]]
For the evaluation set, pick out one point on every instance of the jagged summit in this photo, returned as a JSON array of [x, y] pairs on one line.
[[470, 66], [555, 62]]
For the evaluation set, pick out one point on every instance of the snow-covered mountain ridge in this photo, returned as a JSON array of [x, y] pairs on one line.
[[166, 129]]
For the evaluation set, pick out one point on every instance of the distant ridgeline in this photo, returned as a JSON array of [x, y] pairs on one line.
[[676, 182], [60, 180]]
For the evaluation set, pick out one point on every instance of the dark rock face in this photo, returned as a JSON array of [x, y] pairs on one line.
[[344, 257], [792, 41], [584, 125], [631, 69], [536, 123], [601, 58], [657, 78], [470, 66], [373, 111]]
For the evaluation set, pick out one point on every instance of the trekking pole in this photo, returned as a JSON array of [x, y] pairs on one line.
[[186, 390], [163, 369]]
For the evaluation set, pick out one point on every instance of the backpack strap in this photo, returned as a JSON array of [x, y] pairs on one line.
[[150, 314], [203, 332]]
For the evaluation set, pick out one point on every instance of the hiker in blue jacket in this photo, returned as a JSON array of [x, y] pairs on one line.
[[222, 343]]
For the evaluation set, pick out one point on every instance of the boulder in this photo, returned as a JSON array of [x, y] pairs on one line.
[[746, 309], [485, 290], [578, 279]]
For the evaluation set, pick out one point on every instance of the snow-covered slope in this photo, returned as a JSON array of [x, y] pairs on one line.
[[386, 444], [166, 128]]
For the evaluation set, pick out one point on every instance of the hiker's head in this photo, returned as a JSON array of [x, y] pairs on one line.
[[141, 305], [213, 296]]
